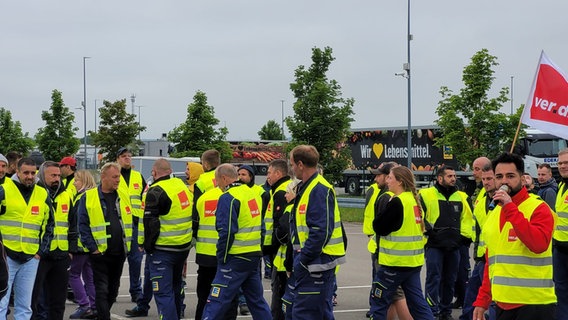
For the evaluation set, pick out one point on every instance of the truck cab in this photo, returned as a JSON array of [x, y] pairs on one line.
[[538, 147]]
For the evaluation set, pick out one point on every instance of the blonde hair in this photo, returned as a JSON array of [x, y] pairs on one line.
[[87, 179]]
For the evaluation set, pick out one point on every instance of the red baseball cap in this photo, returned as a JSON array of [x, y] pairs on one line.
[[68, 161]]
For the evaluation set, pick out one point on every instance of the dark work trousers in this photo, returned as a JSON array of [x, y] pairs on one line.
[[166, 269], [528, 312], [463, 275], [279, 279], [50, 288], [135, 264], [205, 276], [107, 270]]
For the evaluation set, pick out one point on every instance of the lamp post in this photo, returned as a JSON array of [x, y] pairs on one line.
[[282, 119], [139, 131], [96, 164], [85, 110], [512, 94], [407, 68]]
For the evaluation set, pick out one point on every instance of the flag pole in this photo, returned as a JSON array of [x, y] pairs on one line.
[[516, 133]]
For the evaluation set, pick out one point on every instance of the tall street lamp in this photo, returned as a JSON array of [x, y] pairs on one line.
[[282, 119], [139, 131], [85, 110], [96, 160], [407, 69]]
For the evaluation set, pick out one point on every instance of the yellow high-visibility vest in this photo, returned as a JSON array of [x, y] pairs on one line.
[[517, 274], [207, 236], [23, 223], [175, 227], [97, 221], [134, 190], [404, 247]]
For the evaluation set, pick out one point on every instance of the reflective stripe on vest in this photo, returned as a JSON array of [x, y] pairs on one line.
[[517, 274], [59, 241], [269, 216], [175, 226], [561, 232], [97, 221], [404, 247], [207, 236], [480, 215], [334, 245], [134, 189], [248, 237], [372, 244], [18, 235], [369, 213]]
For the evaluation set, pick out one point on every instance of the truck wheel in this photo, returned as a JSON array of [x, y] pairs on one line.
[[353, 187]]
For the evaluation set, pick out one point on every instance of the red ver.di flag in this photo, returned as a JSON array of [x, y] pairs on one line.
[[547, 105]]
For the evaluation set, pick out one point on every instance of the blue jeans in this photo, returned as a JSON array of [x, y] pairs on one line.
[[387, 280], [135, 264], [559, 263], [165, 271], [21, 277], [237, 272], [441, 273]]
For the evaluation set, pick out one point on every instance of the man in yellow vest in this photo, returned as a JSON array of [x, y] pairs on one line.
[[277, 231], [449, 222], [68, 166], [26, 225], [3, 262], [206, 247], [560, 242], [241, 229], [133, 182], [50, 290], [317, 238], [3, 168], [105, 225], [518, 273], [167, 236], [464, 268], [483, 207], [210, 159]]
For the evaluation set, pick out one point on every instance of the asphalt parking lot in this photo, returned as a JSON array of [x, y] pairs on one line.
[[353, 282]]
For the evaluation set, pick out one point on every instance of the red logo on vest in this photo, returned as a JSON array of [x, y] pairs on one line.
[[35, 210], [65, 208], [136, 186], [566, 199], [183, 199], [512, 235], [417, 215], [127, 209], [253, 206], [302, 209], [210, 208]]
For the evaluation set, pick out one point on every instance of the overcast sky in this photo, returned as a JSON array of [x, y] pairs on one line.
[[243, 54]]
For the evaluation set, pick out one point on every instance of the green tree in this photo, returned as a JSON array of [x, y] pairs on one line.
[[11, 136], [198, 132], [271, 131], [321, 117], [117, 129], [57, 138], [471, 122]]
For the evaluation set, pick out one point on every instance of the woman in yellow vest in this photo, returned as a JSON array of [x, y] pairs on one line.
[[80, 271], [401, 249]]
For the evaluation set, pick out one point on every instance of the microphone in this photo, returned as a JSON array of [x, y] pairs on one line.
[[493, 203]]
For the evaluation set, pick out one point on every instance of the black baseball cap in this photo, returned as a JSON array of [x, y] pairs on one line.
[[121, 151], [384, 168]]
